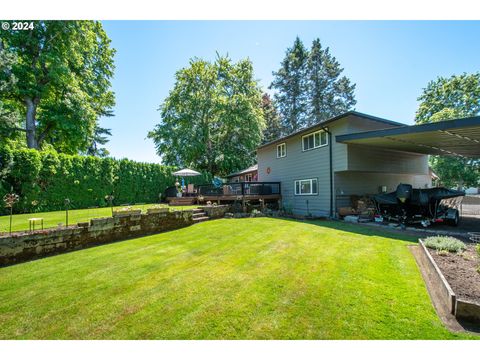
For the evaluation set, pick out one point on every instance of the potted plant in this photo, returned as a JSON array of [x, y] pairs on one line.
[[179, 189]]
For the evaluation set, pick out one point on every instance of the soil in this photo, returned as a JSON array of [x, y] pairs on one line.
[[460, 270]]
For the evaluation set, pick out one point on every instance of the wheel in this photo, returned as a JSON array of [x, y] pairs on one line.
[[455, 220]]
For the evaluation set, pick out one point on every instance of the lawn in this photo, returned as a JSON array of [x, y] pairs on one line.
[[257, 278], [53, 218]]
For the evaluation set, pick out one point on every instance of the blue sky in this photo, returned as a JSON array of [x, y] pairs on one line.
[[390, 61]]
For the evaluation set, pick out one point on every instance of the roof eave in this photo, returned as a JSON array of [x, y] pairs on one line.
[[328, 121]]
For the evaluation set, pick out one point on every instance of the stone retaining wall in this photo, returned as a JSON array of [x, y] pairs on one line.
[[27, 246], [215, 212]]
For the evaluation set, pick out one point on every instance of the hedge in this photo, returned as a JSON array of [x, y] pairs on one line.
[[44, 179]]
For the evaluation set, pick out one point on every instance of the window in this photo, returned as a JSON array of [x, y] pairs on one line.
[[314, 140], [281, 150], [248, 177], [306, 187]]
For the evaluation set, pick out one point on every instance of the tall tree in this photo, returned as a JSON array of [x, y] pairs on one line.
[[329, 93], [63, 71], [212, 118], [290, 84], [100, 137], [446, 99], [9, 115], [273, 126]]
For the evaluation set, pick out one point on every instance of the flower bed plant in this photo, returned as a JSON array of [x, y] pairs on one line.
[[444, 243]]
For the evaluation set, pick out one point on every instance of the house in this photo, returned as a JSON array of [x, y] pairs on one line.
[[246, 175], [322, 166]]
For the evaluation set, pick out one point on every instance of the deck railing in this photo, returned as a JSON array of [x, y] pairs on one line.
[[241, 189]]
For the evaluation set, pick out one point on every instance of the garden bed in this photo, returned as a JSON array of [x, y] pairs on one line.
[[460, 270]]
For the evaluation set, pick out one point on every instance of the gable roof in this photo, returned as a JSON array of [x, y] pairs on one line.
[[328, 121], [244, 171]]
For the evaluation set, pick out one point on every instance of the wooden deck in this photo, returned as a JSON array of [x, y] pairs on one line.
[[192, 200], [230, 192]]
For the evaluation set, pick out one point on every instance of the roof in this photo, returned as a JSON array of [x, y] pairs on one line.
[[245, 171], [328, 121], [458, 137]]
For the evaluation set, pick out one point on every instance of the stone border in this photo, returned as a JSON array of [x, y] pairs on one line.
[[461, 309], [27, 246]]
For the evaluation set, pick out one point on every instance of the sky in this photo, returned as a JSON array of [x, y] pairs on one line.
[[389, 61]]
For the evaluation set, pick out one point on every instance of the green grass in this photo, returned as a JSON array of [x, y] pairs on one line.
[[53, 218], [256, 278]]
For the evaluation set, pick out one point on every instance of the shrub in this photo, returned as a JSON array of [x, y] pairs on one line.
[[446, 243], [44, 179]]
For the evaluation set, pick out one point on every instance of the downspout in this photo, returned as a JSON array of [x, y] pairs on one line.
[[331, 168]]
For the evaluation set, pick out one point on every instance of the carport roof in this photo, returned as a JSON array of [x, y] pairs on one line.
[[459, 137]]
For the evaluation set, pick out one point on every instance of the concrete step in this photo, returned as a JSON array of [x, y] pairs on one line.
[[200, 214], [195, 211], [200, 219]]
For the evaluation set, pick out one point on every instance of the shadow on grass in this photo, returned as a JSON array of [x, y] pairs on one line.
[[360, 229]]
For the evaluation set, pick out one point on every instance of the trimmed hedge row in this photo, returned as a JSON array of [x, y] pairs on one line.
[[44, 179]]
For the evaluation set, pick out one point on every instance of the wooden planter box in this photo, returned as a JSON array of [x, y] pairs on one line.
[[461, 309], [127, 212]]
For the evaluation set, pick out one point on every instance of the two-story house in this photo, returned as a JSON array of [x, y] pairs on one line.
[[318, 173]]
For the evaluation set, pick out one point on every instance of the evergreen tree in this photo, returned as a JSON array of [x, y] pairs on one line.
[[329, 94], [273, 128], [100, 137], [290, 84]]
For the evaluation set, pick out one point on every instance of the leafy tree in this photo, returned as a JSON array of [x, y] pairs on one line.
[[212, 119], [63, 71], [9, 115], [446, 99], [273, 129], [329, 93], [459, 93], [290, 84]]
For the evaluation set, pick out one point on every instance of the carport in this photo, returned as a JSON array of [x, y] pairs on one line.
[[459, 137]]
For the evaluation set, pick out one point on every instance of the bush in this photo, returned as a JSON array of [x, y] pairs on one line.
[[444, 243], [44, 179]]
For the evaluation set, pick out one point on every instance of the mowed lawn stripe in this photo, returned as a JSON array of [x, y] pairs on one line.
[[257, 278]]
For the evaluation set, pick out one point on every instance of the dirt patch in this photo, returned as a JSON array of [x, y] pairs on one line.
[[460, 270]]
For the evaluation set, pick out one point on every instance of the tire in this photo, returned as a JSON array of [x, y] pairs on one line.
[[456, 220]]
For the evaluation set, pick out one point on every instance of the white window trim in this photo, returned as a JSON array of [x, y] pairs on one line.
[[300, 194], [285, 147], [313, 134]]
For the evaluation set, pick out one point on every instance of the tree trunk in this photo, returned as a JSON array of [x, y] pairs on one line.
[[30, 123]]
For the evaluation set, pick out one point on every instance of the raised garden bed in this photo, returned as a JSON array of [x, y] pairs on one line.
[[457, 279]]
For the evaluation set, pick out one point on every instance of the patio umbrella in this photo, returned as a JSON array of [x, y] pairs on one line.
[[186, 172]]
